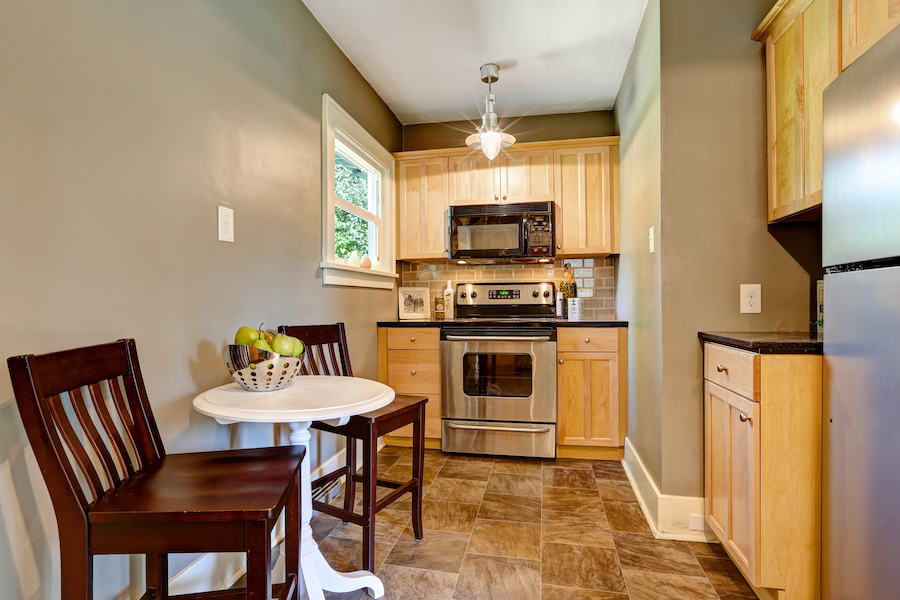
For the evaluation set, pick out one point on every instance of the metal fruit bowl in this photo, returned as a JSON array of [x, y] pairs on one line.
[[258, 370]]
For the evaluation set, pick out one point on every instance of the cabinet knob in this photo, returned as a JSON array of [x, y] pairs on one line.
[[496, 196], [722, 369], [504, 196], [446, 249], [587, 340], [744, 418], [560, 361], [413, 372], [558, 247], [412, 339]]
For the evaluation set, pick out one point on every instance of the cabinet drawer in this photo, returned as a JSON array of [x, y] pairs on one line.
[[413, 338], [414, 371], [432, 420], [734, 370], [587, 339]]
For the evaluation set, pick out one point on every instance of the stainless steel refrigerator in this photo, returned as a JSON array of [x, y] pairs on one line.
[[861, 253]]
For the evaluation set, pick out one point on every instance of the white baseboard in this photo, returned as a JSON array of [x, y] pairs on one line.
[[669, 516], [219, 571]]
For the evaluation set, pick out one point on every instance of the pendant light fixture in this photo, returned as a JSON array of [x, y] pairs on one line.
[[489, 138]]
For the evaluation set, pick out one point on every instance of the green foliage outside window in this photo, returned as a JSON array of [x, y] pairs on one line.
[[351, 232]]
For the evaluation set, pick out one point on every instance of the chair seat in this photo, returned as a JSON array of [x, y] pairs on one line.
[[203, 487]]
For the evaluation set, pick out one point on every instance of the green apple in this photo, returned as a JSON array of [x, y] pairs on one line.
[[283, 344], [262, 344], [246, 336], [298, 347]]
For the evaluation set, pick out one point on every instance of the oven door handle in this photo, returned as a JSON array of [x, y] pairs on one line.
[[497, 338], [498, 428]]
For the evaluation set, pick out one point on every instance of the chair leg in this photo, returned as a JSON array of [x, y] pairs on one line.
[[259, 561], [76, 571], [370, 496], [292, 511], [157, 568], [418, 470], [350, 487]]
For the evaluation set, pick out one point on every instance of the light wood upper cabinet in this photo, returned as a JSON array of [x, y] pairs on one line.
[[423, 209], [586, 210], [473, 180], [803, 54], [864, 22], [525, 176]]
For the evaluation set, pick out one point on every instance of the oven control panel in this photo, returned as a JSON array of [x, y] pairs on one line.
[[505, 294]]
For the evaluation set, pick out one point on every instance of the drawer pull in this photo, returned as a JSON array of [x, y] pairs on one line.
[[560, 361], [722, 369], [744, 418], [412, 339], [413, 372], [587, 340]]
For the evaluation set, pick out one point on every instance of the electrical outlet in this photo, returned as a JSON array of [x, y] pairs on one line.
[[751, 298], [226, 224]]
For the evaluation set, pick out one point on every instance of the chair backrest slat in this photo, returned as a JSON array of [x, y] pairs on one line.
[[316, 338], [109, 426], [125, 416], [93, 437], [73, 442]]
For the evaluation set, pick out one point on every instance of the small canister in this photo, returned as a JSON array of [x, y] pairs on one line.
[[576, 309], [560, 300], [439, 307]]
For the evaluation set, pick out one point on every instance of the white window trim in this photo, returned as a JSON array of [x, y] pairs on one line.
[[336, 122]]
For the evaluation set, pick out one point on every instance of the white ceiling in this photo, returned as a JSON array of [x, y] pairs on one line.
[[423, 57]]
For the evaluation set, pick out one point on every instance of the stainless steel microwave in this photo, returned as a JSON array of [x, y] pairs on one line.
[[499, 233]]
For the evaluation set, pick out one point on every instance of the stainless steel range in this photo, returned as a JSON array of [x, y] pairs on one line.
[[498, 371]]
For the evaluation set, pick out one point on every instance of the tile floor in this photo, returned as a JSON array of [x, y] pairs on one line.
[[504, 529]]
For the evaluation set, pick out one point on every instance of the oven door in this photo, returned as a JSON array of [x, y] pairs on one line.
[[487, 236], [498, 378]]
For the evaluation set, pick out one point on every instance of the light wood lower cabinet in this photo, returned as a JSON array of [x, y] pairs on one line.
[[591, 391], [762, 448], [409, 361]]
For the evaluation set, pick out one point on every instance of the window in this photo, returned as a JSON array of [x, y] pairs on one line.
[[358, 202]]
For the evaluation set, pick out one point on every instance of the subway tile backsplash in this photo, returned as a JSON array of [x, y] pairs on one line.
[[595, 279]]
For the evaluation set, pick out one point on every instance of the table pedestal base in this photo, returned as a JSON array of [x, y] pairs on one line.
[[316, 574]]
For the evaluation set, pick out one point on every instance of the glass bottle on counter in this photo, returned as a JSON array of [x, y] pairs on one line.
[[439, 307], [568, 289]]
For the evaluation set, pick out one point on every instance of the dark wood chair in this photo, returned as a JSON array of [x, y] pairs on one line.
[[326, 354], [116, 491]]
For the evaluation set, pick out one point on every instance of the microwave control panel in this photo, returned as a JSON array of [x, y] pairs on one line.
[[540, 235]]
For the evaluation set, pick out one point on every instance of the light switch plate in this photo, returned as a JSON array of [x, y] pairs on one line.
[[652, 241], [751, 298], [226, 224]]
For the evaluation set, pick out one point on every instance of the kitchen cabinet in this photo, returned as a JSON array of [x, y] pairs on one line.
[[422, 214], [579, 176], [586, 211], [592, 395], [864, 22], [409, 362], [762, 459], [518, 176], [803, 55]]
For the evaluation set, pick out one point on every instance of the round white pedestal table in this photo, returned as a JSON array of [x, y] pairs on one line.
[[306, 399]]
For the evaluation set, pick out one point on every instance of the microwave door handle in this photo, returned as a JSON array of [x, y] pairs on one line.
[[498, 428], [497, 338]]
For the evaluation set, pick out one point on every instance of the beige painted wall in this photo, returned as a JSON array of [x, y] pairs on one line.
[[639, 291], [536, 128], [125, 125], [714, 234]]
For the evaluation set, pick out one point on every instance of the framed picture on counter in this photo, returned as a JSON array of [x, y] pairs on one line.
[[414, 303]]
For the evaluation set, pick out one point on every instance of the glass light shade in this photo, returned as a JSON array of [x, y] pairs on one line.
[[490, 142]]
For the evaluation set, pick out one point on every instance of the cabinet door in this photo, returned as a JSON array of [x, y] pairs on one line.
[[587, 399], [732, 474], [800, 62], [526, 176], [473, 180], [584, 220], [863, 23], [423, 206]]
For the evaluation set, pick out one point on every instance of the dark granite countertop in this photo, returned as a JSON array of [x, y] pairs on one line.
[[556, 322], [767, 342]]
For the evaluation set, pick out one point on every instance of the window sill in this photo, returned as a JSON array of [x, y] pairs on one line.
[[341, 274]]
